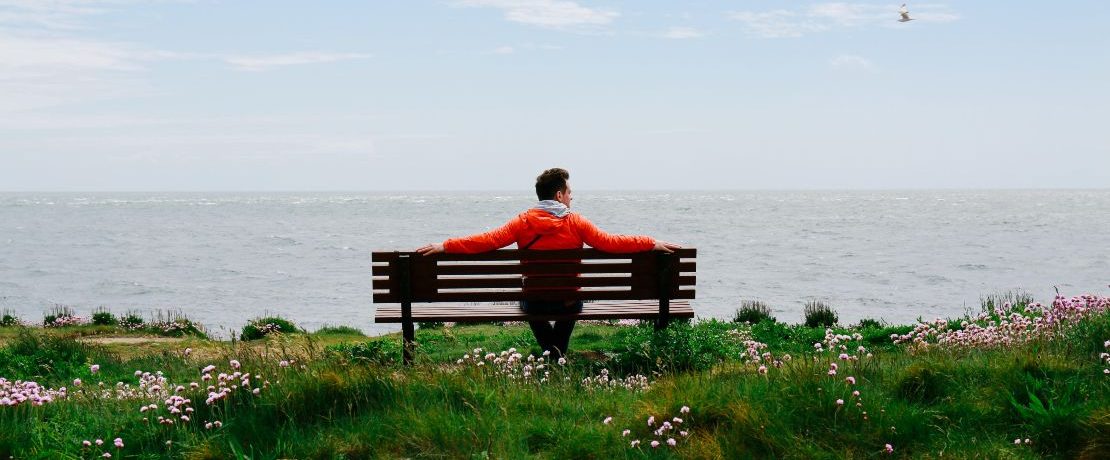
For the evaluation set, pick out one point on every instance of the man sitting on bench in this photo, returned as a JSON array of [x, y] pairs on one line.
[[548, 226]]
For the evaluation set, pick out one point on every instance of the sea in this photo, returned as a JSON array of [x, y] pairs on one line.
[[224, 258]]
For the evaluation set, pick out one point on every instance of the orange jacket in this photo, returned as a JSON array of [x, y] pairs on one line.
[[567, 232]]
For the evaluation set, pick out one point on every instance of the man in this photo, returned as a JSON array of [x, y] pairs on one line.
[[548, 226]]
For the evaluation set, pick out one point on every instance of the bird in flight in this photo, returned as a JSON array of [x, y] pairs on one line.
[[905, 12]]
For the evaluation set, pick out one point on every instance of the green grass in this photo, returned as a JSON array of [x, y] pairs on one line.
[[346, 396]]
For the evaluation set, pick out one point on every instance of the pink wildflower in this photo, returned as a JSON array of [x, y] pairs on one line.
[[684, 433], [651, 420], [94, 368], [671, 442], [607, 420], [888, 449], [840, 402], [763, 370], [625, 433], [234, 364], [655, 444], [86, 443], [118, 443], [850, 380], [106, 455], [684, 410], [634, 443], [76, 382]]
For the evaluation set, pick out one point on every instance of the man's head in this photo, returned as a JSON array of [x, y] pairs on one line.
[[554, 184]]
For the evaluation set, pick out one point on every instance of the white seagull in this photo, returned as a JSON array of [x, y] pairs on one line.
[[905, 12]]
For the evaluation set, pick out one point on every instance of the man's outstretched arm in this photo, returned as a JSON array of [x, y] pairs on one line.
[[482, 242], [608, 242]]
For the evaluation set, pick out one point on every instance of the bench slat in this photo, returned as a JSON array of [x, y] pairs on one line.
[[517, 295], [389, 284], [537, 268], [472, 313]]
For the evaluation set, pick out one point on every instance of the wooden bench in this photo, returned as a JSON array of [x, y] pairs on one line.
[[489, 286]]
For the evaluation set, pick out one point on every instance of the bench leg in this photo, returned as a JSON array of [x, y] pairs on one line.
[[664, 314], [409, 334]]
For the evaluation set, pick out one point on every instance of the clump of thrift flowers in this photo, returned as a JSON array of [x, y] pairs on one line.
[[19, 392], [668, 431], [1007, 325]]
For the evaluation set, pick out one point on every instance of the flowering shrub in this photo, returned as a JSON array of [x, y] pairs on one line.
[[131, 322], [1007, 325], [63, 321], [10, 320], [175, 328], [62, 316], [261, 327]]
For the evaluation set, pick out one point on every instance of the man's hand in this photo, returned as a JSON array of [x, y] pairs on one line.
[[665, 246], [433, 248]]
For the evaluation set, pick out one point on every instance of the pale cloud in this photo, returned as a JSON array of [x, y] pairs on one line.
[[45, 71], [776, 24], [522, 48], [852, 62], [269, 62], [679, 33], [555, 14], [828, 16]]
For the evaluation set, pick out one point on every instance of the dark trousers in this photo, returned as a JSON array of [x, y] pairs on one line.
[[554, 338]]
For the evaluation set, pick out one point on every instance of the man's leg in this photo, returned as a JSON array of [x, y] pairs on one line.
[[544, 334], [561, 337]]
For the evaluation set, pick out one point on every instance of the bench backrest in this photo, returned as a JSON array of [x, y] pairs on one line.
[[514, 275]]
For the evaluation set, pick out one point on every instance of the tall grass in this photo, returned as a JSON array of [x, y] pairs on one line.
[[745, 401]]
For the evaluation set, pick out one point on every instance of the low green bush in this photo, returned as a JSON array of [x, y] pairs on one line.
[[339, 330], [374, 351], [819, 314], [102, 317], [9, 319], [679, 347], [262, 327], [752, 312]]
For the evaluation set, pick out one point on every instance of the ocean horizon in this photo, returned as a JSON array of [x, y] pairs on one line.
[[223, 258]]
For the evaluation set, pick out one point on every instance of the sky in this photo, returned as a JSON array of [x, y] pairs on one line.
[[267, 95]]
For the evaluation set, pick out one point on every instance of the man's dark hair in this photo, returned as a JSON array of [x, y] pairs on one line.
[[551, 181]]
